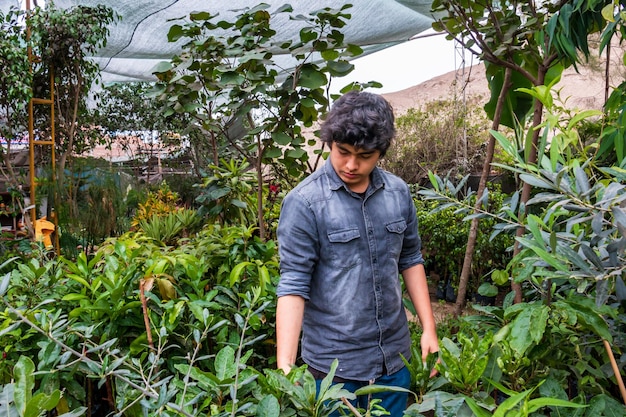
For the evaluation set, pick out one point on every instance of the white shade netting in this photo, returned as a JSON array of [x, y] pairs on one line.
[[138, 41]]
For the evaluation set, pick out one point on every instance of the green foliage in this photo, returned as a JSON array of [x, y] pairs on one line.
[[505, 350], [296, 393], [158, 203], [186, 328], [612, 147], [421, 378], [126, 115], [548, 353], [228, 195], [197, 348], [15, 85], [19, 399], [444, 137], [464, 365], [62, 39], [97, 210], [229, 83], [59, 41], [444, 226], [170, 227], [536, 42]]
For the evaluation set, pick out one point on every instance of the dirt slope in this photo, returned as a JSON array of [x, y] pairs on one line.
[[581, 90]]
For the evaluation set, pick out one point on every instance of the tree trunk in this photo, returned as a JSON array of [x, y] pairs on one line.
[[527, 188], [259, 176], [473, 233]]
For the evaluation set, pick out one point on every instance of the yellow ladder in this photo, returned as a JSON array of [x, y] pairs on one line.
[[34, 141]]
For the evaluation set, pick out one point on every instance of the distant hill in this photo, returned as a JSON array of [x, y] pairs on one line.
[[583, 89]]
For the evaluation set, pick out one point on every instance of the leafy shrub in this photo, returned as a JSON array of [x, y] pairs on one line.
[[194, 318], [442, 137], [158, 203], [444, 232], [228, 194]]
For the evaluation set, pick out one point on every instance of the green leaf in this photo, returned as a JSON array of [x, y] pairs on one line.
[[307, 35], [232, 78], [312, 78], [537, 403], [24, 383], [500, 277], [235, 273], [195, 16], [487, 289], [578, 117], [340, 68], [4, 284], [375, 389], [589, 317], [42, 402], [79, 412], [510, 403], [175, 33], [268, 407], [225, 366], [607, 12], [476, 409], [544, 254], [272, 153], [536, 181], [296, 153], [330, 54], [281, 138], [528, 327]]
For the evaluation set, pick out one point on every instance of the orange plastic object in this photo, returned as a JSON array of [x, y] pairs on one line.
[[43, 230]]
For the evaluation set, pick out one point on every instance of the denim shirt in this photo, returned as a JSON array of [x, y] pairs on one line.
[[342, 253]]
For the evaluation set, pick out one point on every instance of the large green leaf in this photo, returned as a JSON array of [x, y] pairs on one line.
[[311, 77], [225, 366], [24, 383], [528, 327], [519, 104], [268, 407], [42, 402]]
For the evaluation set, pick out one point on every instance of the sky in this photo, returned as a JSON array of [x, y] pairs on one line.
[[405, 65]]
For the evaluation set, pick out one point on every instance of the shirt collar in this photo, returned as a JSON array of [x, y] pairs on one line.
[[335, 183]]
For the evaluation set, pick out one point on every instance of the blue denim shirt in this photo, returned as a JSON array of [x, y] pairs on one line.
[[343, 253]]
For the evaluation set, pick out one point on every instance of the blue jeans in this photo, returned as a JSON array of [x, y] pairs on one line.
[[394, 402]]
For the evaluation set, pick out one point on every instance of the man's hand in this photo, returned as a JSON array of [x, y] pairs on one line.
[[429, 344]]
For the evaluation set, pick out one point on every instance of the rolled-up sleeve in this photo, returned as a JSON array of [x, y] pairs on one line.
[[298, 246]]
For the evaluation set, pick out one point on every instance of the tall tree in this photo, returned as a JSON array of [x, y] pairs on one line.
[[127, 114], [523, 44], [15, 88], [234, 87], [62, 39]]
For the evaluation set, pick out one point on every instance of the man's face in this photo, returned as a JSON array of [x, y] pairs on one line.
[[353, 165]]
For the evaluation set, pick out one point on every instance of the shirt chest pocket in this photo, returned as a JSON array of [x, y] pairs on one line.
[[344, 248], [395, 236]]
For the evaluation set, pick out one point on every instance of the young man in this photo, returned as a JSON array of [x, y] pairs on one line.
[[344, 234]]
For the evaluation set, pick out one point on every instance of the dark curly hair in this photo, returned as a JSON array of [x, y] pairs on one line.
[[360, 119]]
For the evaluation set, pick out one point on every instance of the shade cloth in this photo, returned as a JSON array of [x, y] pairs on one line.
[[139, 40]]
